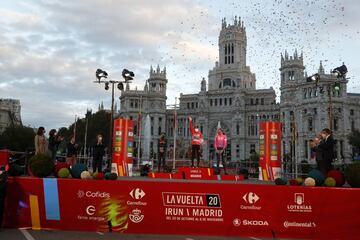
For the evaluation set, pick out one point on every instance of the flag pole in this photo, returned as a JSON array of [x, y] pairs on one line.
[[175, 133], [139, 133], [74, 130]]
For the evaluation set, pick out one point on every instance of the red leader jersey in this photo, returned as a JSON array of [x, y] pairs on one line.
[[197, 137]]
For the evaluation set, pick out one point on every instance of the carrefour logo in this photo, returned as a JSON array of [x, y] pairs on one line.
[[137, 193], [251, 198]]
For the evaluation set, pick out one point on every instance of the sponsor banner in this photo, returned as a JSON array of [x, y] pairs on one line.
[[187, 208], [197, 173], [123, 139], [270, 151]]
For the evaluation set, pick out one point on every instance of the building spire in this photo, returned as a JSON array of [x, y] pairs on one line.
[[321, 68]]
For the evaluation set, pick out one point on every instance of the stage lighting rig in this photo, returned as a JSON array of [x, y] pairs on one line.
[[314, 78], [340, 72], [100, 74], [120, 86], [127, 75]]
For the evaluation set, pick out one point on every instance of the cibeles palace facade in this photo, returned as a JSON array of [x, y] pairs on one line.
[[230, 97]]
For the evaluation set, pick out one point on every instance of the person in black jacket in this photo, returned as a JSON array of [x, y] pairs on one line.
[[162, 144], [98, 153], [54, 142], [326, 147], [3, 186], [72, 149]]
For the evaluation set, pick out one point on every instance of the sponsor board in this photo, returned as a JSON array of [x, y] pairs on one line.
[[250, 199], [247, 222], [299, 206], [135, 216], [90, 194], [137, 194], [182, 206], [288, 224]]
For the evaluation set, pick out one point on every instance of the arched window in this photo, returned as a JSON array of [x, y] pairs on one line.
[[227, 82]]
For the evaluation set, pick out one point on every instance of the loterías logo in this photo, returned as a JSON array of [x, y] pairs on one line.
[[137, 193]]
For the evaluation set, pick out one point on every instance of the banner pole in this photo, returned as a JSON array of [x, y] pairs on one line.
[[175, 133]]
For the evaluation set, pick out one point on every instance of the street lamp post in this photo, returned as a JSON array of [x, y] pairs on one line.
[[340, 73], [128, 76]]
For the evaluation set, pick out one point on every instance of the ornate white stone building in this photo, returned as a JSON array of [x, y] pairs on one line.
[[231, 98], [9, 113]]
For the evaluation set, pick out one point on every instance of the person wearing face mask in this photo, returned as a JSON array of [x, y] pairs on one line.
[[196, 141], [327, 149], [98, 154], [220, 144]]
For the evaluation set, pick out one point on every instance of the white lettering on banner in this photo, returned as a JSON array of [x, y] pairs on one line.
[[195, 175], [207, 212], [90, 194], [255, 223], [244, 207], [198, 207], [299, 224], [174, 211], [138, 203], [97, 194], [299, 206], [184, 200], [90, 211]]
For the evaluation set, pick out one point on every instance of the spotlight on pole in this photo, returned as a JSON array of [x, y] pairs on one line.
[[127, 75], [107, 86], [314, 78], [120, 86], [100, 74], [340, 72]]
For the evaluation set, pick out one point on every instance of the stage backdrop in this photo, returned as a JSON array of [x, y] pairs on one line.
[[189, 208]]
